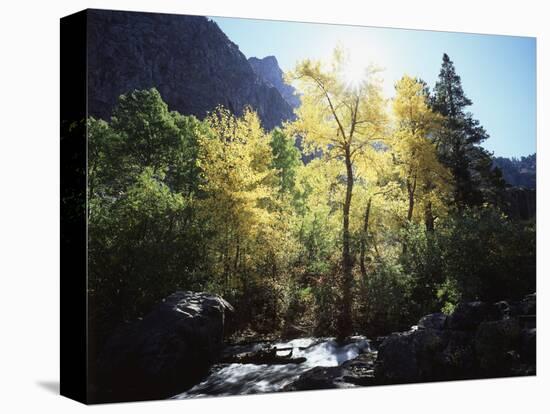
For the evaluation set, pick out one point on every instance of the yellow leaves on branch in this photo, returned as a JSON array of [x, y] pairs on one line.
[[393, 154], [235, 158], [335, 116], [412, 144]]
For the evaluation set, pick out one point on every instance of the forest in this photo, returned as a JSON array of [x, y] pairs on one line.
[[359, 216]]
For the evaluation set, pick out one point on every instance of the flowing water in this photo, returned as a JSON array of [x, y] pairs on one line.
[[235, 378]]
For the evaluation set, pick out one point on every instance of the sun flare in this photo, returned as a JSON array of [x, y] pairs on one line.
[[354, 72]]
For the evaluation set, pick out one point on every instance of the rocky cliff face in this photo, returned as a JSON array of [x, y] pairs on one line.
[[188, 59], [269, 72]]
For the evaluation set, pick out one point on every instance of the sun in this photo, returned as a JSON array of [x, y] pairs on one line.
[[354, 66], [354, 72], [360, 57]]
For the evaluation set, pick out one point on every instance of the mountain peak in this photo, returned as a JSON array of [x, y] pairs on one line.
[[267, 59], [267, 69]]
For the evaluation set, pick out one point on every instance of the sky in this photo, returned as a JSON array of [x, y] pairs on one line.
[[498, 72]]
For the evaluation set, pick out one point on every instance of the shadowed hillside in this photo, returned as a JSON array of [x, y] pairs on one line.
[[187, 58]]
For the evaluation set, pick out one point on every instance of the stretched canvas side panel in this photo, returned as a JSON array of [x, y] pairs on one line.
[[73, 383]]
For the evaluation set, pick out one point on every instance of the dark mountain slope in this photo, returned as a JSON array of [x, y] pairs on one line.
[[519, 172], [188, 59], [521, 175]]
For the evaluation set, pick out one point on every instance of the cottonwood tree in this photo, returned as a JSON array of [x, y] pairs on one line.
[[242, 203], [342, 120], [425, 182], [413, 149]]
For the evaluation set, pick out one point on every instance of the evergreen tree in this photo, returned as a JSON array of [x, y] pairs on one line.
[[458, 141], [286, 159]]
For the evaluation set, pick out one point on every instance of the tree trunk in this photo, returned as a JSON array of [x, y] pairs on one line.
[[226, 260], [345, 322], [364, 240], [411, 190], [434, 271], [429, 217], [237, 256]]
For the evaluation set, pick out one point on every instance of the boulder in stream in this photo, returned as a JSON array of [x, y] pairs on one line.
[[171, 348]]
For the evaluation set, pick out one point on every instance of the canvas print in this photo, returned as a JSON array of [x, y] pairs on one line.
[[271, 206]]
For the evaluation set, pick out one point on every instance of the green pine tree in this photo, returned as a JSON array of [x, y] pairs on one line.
[[458, 141]]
